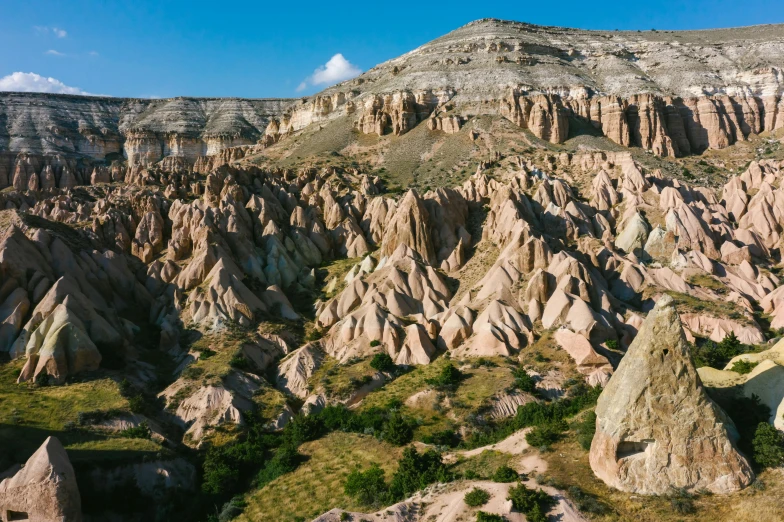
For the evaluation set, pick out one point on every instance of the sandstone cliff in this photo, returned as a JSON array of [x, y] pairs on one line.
[[142, 130]]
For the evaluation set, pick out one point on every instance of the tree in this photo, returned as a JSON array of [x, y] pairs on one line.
[[447, 379], [303, 429], [768, 446], [285, 460], [367, 487], [545, 435], [398, 430], [416, 471], [383, 363]]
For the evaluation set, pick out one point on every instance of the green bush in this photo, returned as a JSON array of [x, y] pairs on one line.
[[587, 503], [612, 344], [415, 472], [481, 516], [743, 367], [142, 431], [225, 466], [285, 460], [447, 379], [533, 503], [232, 509], [303, 428], [537, 414], [375, 342], [747, 414], [545, 435], [768, 446], [523, 381], [367, 487], [239, 362], [719, 355], [442, 438], [505, 474], [383, 363], [585, 430], [476, 497], [398, 430]]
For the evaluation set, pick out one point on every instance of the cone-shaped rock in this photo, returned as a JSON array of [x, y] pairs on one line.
[[44, 490], [656, 428]]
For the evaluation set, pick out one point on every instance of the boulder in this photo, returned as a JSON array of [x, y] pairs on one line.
[[44, 489], [656, 428]]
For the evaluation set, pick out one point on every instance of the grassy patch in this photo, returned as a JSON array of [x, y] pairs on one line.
[[568, 467], [341, 380], [685, 303], [317, 485], [482, 466], [707, 281], [471, 395]]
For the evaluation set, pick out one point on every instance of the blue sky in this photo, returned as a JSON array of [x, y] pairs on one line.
[[147, 48]]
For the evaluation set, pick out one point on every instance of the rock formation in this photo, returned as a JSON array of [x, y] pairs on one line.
[[44, 489], [656, 428]]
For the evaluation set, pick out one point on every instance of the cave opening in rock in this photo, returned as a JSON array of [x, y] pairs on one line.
[[630, 449], [14, 516]]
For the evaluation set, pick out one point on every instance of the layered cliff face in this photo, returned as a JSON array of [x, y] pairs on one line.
[[143, 131], [672, 93]]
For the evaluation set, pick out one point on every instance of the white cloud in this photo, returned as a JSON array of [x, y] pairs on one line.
[[52, 52], [31, 82], [57, 31], [94, 53], [336, 70]]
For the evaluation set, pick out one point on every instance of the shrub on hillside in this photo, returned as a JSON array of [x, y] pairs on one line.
[[718, 355], [481, 516], [447, 379], [505, 474], [476, 497], [743, 367], [416, 471], [544, 435], [533, 503], [367, 487], [523, 381], [768, 446], [585, 430], [398, 430], [285, 460], [383, 363]]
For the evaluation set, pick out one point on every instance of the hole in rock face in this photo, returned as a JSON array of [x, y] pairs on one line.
[[666, 351], [630, 449], [16, 516]]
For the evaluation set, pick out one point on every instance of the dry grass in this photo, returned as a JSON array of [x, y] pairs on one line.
[[484, 464], [340, 380], [568, 465], [485, 255], [448, 410], [317, 485]]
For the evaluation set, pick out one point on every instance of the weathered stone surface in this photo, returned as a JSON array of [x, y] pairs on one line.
[[656, 427], [44, 490]]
